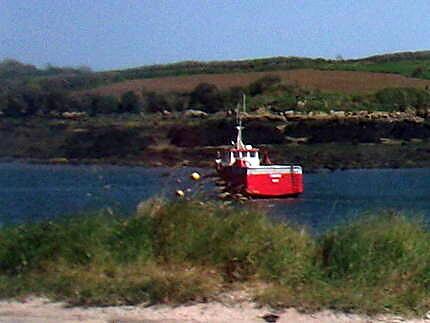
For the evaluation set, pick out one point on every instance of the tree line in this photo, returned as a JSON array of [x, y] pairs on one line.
[[268, 92]]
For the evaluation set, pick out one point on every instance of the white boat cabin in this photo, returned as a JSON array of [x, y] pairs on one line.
[[240, 151], [249, 155]]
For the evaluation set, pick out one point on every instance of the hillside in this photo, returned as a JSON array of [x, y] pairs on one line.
[[348, 82], [415, 64], [391, 82], [409, 64]]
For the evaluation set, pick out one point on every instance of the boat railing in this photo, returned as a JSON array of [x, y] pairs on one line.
[[290, 167]]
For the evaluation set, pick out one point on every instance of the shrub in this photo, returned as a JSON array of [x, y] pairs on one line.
[[240, 243], [106, 142], [100, 104], [33, 246], [400, 98], [284, 102], [418, 72], [376, 249], [263, 84], [129, 102], [154, 102], [207, 97]]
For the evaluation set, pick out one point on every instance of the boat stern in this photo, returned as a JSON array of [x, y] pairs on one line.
[[274, 181]]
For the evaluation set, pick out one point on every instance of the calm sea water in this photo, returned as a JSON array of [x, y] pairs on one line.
[[32, 192]]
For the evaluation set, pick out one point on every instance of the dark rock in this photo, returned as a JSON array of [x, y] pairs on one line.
[[106, 142], [270, 317]]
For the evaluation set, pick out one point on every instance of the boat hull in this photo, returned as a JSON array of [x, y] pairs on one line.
[[265, 181]]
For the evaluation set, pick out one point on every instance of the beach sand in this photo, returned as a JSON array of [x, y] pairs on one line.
[[38, 310]]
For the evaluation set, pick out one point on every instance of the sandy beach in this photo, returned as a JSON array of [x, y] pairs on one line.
[[41, 310]]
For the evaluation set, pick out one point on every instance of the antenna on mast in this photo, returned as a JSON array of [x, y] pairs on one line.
[[239, 142]]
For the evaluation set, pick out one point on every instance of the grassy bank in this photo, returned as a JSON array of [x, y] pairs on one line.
[[182, 251]]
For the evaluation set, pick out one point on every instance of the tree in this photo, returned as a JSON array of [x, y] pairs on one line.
[[207, 97], [34, 100], [263, 84], [234, 96], [400, 98], [56, 101], [84, 69], [339, 58], [103, 104], [108, 104], [15, 107], [129, 102], [176, 101], [11, 68], [154, 102], [418, 72]]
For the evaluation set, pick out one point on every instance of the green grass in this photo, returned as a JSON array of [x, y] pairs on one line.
[[183, 251], [405, 68], [376, 264], [172, 252]]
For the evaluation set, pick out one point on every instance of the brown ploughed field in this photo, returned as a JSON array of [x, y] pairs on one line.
[[327, 81]]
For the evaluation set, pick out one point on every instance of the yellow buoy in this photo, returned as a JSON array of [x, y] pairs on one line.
[[180, 193], [195, 176]]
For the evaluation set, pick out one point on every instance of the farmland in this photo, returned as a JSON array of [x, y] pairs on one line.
[[349, 82]]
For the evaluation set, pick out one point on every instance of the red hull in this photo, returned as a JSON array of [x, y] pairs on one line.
[[265, 181]]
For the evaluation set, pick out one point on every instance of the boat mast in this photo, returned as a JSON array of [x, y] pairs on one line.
[[239, 142]]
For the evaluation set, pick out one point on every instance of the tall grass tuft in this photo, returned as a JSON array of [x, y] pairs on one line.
[[174, 251], [379, 260], [77, 241], [374, 248], [239, 243], [377, 263]]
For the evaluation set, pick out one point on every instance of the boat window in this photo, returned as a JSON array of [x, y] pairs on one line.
[[252, 154], [236, 154]]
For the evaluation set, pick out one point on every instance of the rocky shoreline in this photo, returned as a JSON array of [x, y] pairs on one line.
[[337, 140], [314, 157], [410, 115]]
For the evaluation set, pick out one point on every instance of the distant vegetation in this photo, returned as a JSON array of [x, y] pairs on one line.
[[26, 90], [268, 92], [184, 251], [13, 69], [40, 117], [416, 64]]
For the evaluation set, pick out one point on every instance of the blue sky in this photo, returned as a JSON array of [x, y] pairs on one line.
[[124, 33]]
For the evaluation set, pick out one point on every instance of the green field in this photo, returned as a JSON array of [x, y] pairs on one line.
[[406, 68]]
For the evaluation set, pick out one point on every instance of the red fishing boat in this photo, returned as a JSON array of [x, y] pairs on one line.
[[241, 168]]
